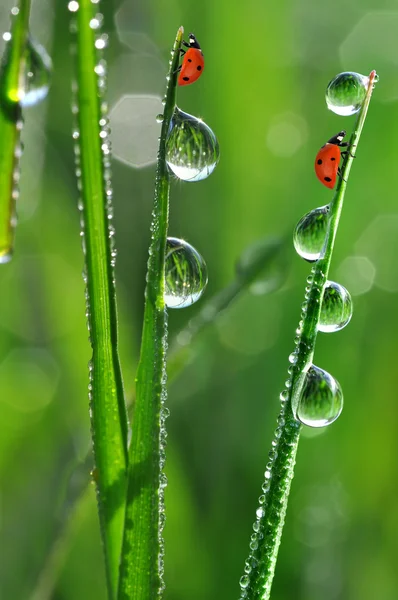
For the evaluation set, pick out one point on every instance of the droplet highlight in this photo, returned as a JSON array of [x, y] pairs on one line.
[[310, 233], [336, 309], [346, 93], [192, 150], [321, 400], [185, 274]]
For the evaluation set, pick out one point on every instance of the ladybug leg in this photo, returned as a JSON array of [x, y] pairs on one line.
[[182, 52], [348, 152], [340, 174], [184, 43], [177, 70]]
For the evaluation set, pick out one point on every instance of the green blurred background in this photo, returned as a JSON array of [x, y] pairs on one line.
[[267, 67]]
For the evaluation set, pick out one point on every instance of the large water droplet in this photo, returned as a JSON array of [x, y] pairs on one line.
[[336, 310], [310, 233], [192, 151], [346, 93], [185, 274], [35, 79], [321, 400]]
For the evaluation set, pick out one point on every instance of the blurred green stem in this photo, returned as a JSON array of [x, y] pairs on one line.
[[108, 411], [11, 80], [260, 566], [141, 570]]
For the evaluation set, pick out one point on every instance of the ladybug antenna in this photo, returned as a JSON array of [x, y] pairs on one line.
[[193, 42]]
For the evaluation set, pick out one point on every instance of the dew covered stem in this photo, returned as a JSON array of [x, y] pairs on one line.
[[260, 566], [141, 571], [107, 406], [11, 126]]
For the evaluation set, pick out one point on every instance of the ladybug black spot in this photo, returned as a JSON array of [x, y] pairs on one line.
[[333, 158], [189, 59], [328, 179], [319, 161], [185, 78], [199, 68]]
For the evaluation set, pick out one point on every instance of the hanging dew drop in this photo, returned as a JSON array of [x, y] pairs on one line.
[[185, 274], [336, 310], [34, 82], [310, 233], [346, 93], [192, 151], [159, 118], [321, 400]]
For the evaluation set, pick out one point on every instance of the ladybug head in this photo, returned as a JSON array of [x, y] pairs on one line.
[[337, 139], [193, 42]]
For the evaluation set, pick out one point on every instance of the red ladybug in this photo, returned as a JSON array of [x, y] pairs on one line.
[[328, 158], [193, 62]]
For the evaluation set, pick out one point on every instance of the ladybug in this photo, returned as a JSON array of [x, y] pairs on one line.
[[328, 158], [193, 62]]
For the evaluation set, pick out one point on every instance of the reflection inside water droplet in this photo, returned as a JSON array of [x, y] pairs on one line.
[[346, 93], [185, 274], [35, 79], [336, 310], [192, 151], [321, 400], [310, 233]]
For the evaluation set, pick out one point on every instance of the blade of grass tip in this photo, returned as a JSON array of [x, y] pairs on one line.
[[107, 405], [260, 566], [11, 73], [141, 570]]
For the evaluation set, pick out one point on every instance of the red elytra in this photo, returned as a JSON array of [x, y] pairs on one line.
[[328, 158], [193, 62]]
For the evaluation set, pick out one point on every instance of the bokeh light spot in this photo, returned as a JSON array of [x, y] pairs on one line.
[[135, 132], [28, 379], [357, 273]]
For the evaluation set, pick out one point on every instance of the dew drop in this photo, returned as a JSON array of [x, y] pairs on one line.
[[346, 93], [336, 310], [34, 83], [244, 581], [310, 233], [185, 274], [159, 118], [192, 151], [321, 400]]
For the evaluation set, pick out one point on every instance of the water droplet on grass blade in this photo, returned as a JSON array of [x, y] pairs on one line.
[[346, 93], [192, 151], [321, 400], [336, 310], [34, 83], [185, 274], [310, 233]]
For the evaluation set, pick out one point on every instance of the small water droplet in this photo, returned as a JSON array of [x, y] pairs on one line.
[[192, 151], [73, 6], [34, 83], [159, 118], [185, 274], [346, 93], [336, 310], [321, 400], [310, 233], [244, 581]]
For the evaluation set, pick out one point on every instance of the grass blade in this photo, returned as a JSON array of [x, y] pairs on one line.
[[10, 126], [108, 412], [260, 566], [142, 555]]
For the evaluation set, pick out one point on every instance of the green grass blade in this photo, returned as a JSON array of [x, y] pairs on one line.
[[108, 412], [141, 568], [10, 127], [260, 566]]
